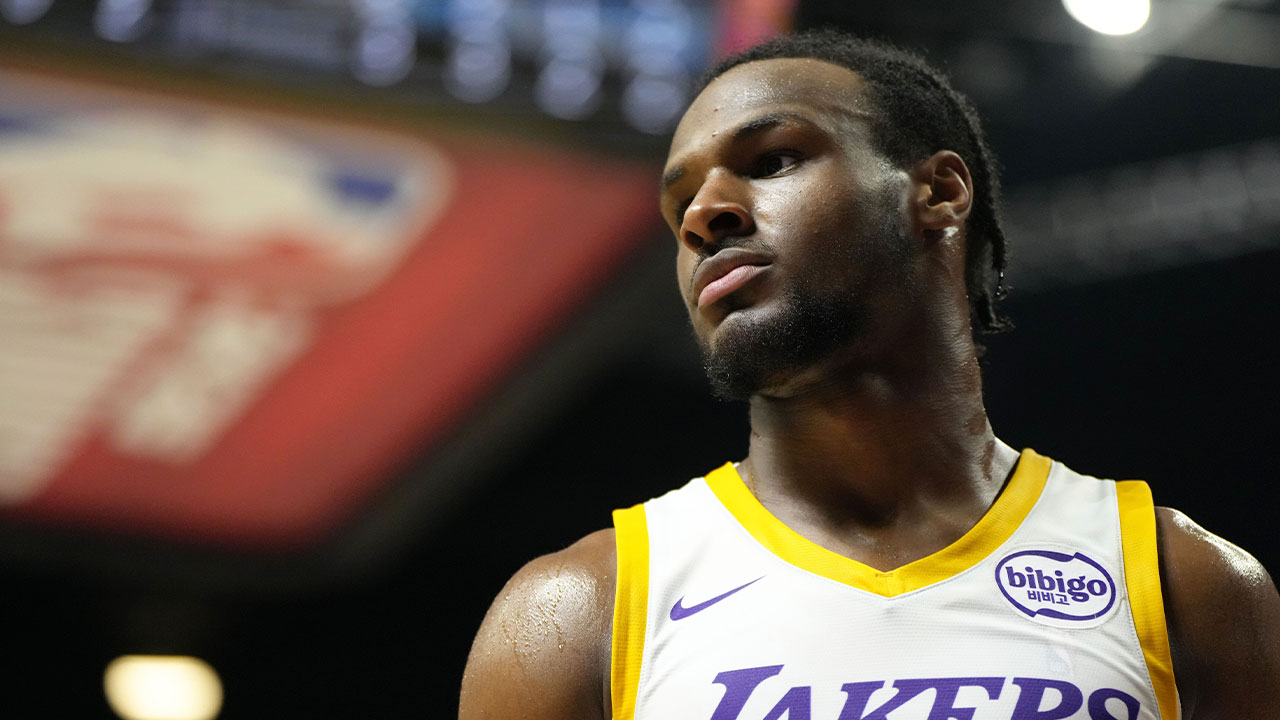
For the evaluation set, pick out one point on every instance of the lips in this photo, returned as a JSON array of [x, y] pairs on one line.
[[725, 273]]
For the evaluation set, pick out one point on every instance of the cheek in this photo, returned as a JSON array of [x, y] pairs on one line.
[[850, 243], [815, 225], [819, 202]]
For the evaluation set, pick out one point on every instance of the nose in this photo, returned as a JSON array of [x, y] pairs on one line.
[[718, 212]]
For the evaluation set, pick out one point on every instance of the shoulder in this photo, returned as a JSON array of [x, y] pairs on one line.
[[1223, 615], [543, 648]]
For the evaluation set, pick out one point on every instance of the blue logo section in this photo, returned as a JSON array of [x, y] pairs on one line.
[[1050, 584]]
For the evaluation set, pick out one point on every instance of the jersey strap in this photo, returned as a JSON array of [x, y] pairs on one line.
[[995, 527], [630, 605], [1142, 578]]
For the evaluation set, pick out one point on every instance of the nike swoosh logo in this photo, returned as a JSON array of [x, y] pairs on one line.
[[680, 612]]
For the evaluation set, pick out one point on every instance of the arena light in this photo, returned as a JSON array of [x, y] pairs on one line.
[[570, 81], [652, 103], [1110, 17], [386, 43], [478, 71], [384, 53], [21, 12], [569, 89], [122, 20], [478, 67], [162, 687]]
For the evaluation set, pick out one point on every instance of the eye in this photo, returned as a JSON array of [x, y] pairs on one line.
[[680, 211], [775, 163]]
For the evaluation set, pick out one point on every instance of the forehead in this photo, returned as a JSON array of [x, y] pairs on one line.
[[821, 89]]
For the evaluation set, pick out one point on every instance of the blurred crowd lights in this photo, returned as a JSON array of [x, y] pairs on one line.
[[115, 20], [1110, 17], [640, 55], [162, 687], [648, 42]]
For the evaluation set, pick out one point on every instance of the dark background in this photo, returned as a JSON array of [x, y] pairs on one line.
[[1143, 365]]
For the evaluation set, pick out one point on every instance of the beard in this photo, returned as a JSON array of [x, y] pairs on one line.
[[817, 316], [758, 353]]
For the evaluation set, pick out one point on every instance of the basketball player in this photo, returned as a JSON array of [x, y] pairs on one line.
[[879, 553]]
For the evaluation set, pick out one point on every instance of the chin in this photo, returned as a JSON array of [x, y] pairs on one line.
[[755, 351]]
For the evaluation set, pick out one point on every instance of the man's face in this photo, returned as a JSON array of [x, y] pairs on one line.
[[793, 240]]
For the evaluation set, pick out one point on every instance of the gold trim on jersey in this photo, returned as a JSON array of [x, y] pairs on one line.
[[1142, 579], [630, 607], [996, 526]]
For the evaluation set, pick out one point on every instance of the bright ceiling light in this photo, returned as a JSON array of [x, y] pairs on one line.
[[162, 687], [1110, 17]]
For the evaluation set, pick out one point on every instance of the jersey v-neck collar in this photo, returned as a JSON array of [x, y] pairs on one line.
[[996, 526]]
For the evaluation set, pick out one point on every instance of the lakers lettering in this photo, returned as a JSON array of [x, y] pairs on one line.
[[1035, 699]]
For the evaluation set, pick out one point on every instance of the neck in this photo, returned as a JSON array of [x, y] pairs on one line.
[[877, 453]]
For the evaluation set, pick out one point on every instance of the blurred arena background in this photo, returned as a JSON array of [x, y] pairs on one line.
[[318, 318]]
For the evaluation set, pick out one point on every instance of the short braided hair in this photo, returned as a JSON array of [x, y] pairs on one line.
[[919, 113]]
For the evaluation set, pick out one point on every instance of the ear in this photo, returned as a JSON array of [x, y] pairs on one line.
[[943, 191]]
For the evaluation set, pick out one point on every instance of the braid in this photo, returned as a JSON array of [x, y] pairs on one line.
[[919, 114], [984, 222]]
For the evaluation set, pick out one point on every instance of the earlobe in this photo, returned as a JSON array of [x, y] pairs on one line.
[[944, 191]]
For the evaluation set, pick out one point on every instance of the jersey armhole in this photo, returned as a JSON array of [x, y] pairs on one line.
[[1142, 581], [630, 608]]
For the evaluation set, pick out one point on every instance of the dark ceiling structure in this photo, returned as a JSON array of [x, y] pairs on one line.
[[1060, 98], [1136, 142]]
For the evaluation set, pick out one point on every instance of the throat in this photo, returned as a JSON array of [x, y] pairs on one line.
[[884, 462], [883, 517]]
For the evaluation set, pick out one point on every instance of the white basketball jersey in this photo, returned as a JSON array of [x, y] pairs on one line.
[[1048, 608]]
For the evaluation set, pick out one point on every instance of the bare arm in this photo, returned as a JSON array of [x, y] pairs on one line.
[[542, 652], [1223, 614]]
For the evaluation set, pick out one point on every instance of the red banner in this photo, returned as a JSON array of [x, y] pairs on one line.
[[229, 326]]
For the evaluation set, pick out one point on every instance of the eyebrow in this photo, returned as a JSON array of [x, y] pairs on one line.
[[755, 126], [768, 122], [671, 177]]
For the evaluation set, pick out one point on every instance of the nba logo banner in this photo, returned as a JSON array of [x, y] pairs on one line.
[[228, 324]]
